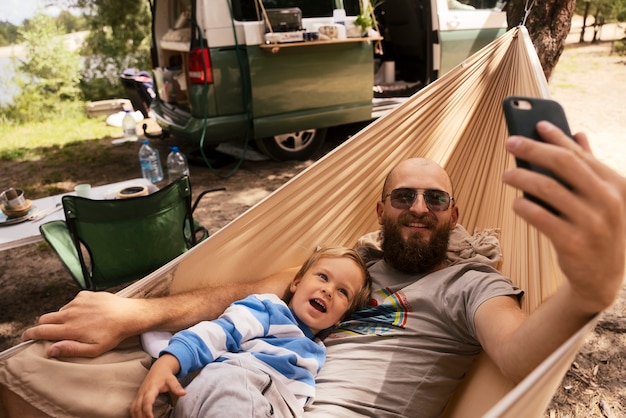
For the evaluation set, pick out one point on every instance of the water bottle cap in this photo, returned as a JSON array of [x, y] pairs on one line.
[[126, 110], [145, 141], [174, 149]]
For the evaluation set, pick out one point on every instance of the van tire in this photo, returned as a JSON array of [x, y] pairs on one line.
[[300, 145]]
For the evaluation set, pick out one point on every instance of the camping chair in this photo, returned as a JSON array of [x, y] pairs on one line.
[[105, 243], [456, 121]]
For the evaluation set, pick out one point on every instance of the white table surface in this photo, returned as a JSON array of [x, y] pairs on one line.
[[27, 232]]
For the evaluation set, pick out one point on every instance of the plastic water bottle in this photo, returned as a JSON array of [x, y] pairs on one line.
[[176, 164], [339, 17], [339, 13], [150, 161], [129, 127]]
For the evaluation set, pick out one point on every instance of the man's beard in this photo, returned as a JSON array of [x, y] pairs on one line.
[[417, 254]]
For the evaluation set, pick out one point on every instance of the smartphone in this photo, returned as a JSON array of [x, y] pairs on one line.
[[522, 115]]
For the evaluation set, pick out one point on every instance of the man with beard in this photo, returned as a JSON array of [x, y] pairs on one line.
[[405, 246], [408, 350], [405, 353]]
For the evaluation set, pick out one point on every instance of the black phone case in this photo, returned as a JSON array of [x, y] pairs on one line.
[[522, 115]]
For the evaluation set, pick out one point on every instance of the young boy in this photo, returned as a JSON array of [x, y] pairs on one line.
[[261, 355]]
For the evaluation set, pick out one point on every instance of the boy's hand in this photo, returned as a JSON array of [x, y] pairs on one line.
[[161, 378]]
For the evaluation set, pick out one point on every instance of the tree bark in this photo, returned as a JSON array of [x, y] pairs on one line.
[[548, 23]]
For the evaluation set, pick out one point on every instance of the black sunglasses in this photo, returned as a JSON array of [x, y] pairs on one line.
[[404, 198]]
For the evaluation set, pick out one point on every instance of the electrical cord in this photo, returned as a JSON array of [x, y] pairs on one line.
[[246, 97]]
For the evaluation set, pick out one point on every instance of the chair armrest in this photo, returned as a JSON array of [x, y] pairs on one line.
[[200, 233], [58, 236], [203, 193]]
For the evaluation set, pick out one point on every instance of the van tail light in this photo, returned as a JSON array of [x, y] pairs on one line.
[[200, 67]]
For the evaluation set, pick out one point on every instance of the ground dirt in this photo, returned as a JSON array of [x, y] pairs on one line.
[[588, 81]]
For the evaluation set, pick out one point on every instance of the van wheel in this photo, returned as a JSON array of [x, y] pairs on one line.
[[300, 145]]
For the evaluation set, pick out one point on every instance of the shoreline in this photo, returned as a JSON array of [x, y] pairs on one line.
[[13, 51], [73, 41]]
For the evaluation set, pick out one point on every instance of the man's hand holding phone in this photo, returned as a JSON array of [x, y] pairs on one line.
[[589, 234]]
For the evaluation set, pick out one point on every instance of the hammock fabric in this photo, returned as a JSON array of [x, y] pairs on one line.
[[456, 121]]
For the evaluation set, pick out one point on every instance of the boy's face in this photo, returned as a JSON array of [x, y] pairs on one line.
[[323, 295]]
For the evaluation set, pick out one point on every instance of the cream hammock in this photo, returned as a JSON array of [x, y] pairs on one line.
[[456, 121]]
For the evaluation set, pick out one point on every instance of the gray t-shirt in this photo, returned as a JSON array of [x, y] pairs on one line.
[[405, 354]]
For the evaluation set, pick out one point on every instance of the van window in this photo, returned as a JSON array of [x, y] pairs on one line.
[[246, 10], [180, 10]]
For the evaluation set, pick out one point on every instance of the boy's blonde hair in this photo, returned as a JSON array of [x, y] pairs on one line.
[[364, 294]]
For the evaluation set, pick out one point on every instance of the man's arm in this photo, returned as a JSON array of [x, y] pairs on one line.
[[589, 238], [95, 322]]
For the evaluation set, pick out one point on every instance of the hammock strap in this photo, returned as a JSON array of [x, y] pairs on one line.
[[527, 9]]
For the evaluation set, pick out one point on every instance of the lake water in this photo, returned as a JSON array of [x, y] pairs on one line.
[[7, 88]]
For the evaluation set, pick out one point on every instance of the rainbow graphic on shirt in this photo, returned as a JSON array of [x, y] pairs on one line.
[[386, 311]]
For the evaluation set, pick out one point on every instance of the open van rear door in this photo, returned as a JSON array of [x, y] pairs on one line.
[[465, 26]]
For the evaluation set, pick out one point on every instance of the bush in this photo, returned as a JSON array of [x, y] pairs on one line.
[[48, 78], [619, 47], [24, 111]]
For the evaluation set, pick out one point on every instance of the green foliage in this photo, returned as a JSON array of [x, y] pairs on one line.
[[66, 21], [8, 33], [620, 10], [117, 40], [71, 23], [602, 10], [619, 47], [367, 19], [48, 77], [100, 79]]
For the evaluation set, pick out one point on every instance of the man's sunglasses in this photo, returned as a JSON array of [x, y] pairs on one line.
[[404, 198]]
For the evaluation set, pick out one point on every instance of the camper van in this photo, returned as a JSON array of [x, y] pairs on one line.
[[278, 73]]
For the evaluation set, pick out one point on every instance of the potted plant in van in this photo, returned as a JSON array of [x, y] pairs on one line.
[[366, 20]]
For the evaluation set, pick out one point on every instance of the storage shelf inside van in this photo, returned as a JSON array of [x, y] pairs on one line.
[[275, 46], [175, 46]]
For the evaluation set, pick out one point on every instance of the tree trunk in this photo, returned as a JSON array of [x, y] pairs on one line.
[[548, 24]]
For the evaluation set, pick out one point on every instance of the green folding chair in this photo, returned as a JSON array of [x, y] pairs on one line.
[[105, 243]]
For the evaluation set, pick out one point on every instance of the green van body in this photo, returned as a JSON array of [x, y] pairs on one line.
[[284, 95]]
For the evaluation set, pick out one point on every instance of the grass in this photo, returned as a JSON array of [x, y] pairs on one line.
[[30, 140], [50, 157]]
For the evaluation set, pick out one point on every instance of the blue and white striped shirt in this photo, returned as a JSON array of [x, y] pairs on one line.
[[263, 329]]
